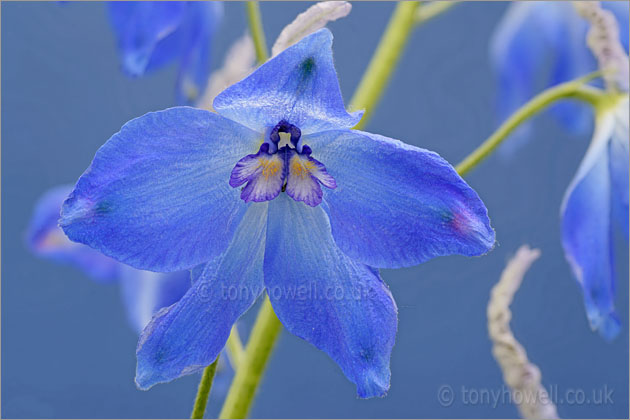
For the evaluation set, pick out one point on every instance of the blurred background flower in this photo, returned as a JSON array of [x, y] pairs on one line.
[[539, 44], [595, 204], [151, 34], [144, 292]]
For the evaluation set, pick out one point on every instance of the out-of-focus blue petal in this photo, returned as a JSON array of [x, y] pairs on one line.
[[299, 86], [222, 380], [619, 161], [530, 34], [153, 33], [586, 232], [156, 195], [570, 58], [319, 294], [189, 335], [396, 205], [146, 292], [198, 29], [518, 49], [140, 26], [46, 239]]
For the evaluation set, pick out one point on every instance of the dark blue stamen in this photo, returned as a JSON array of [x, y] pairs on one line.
[[285, 127], [306, 150]]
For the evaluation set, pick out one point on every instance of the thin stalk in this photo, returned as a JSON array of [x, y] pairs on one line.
[[384, 60], [574, 89], [261, 341], [257, 32], [199, 409], [234, 348], [428, 11]]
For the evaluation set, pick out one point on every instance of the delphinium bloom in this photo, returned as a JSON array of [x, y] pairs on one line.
[[598, 191], [151, 34], [275, 192], [532, 34], [144, 292]]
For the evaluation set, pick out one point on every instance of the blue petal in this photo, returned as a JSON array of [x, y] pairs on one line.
[[619, 161], [528, 36], [319, 294], [156, 195], [146, 292], [396, 205], [151, 34], [586, 233], [571, 58], [189, 335], [222, 380], [299, 85], [46, 239], [198, 31], [140, 26], [517, 50]]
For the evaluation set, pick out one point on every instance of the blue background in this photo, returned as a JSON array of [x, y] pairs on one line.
[[67, 350]]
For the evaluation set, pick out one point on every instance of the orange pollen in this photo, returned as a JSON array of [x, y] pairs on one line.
[[269, 167], [300, 169]]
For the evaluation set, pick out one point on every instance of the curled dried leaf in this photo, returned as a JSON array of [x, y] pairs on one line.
[[309, 21], [522, 376]]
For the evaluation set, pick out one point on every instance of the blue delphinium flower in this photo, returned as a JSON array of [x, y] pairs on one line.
[[151, 34], [532, 34], [274, 192], [598, 191], [144, 292]]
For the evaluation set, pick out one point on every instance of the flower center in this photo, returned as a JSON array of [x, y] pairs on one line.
[[291, 136], [282, 163]]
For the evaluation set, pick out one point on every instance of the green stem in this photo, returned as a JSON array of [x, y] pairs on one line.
[[261, 341], [203, 391], [256, 28], [574, 89], [430, 10], [384, 60], [235, 348]]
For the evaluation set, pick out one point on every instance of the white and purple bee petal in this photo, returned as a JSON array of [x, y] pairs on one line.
[[264, 174], [304, 176]]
